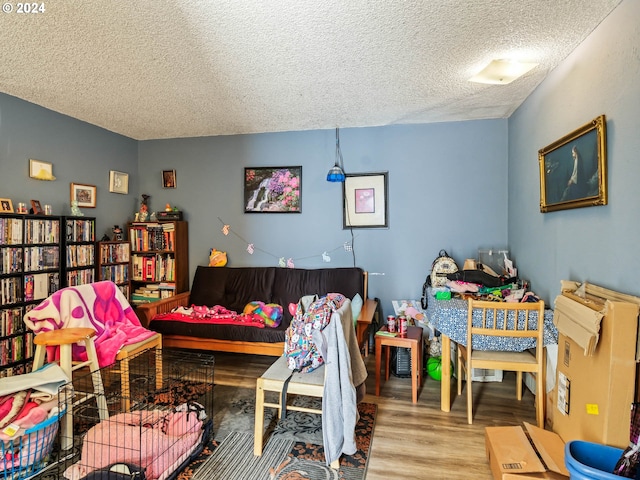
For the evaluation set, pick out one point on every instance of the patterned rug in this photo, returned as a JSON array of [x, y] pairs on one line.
[[293, 450]]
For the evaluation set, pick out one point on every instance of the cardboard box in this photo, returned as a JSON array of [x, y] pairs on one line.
[[512, 455], [593, 393]]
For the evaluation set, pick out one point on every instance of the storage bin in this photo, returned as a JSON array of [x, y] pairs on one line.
[[591, 461], [26, 455]]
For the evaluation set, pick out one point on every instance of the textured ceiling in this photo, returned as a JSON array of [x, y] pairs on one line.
[[153, 69]]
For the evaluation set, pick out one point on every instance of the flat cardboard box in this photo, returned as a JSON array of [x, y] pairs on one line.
[[512, 456], [593, 394]]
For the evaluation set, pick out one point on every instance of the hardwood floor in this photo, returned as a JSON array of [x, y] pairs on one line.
[[416, 441]]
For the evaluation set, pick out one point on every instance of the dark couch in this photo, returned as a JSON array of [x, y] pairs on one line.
[[233, 288]]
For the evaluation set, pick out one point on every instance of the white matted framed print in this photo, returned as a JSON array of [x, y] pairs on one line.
[[85, 195], [118, 182], [365, 200]]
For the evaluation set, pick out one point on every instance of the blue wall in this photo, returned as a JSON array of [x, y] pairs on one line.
[[595, 244], [443, 178], [79, 152]]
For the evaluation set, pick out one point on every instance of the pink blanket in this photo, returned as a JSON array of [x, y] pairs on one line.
[[216, 315], [153, 440], [100, 306]]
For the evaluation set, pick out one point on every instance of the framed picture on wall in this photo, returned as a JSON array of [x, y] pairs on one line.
[[273, 189], [41, 170], [169, 179], [365, 200], [85, 195], [118, 182], [573, 169]]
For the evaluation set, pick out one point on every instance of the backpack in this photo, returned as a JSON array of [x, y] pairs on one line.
[[312, 314], [442, 266]]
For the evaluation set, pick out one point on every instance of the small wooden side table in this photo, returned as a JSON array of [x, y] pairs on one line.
[[413, 341]]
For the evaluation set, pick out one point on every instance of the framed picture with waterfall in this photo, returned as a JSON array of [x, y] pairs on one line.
[[273, 189]]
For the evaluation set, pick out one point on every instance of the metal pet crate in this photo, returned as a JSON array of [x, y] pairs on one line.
[[158, 422]]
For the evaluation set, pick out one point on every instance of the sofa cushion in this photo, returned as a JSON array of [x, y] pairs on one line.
[[232, 288]]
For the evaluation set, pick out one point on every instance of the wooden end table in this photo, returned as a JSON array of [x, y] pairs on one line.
[[413, 341]]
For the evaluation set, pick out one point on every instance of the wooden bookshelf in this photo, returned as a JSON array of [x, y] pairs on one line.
[[159, 260]]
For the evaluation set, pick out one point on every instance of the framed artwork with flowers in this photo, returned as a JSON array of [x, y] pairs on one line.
[[273, 189]]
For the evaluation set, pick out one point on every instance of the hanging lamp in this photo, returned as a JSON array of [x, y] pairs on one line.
[[336, 173]]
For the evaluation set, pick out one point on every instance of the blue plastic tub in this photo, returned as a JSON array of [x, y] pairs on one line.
[[591, 461]]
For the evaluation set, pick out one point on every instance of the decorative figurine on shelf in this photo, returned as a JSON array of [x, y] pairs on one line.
[[167, 208], [153, 217], [117, 233], [75, 210], [143, 214]]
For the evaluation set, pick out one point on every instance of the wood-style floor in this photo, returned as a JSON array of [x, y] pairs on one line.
[[416, 441]]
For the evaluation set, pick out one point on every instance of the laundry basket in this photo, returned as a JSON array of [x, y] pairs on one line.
[[26, 455], [591, 461]]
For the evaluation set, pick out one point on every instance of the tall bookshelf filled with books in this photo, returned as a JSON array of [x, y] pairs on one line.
[[113, 264], [30, 271], [80, 250], [159, 260]]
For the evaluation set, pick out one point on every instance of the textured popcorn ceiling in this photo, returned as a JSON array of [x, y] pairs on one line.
[[153, 69]]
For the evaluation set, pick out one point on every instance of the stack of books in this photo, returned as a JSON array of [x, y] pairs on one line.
[[146, 294]]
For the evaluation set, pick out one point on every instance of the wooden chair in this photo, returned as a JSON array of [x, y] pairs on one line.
[[274, 380], [527, 361], [280, 379]]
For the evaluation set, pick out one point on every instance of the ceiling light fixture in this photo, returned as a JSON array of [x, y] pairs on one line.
[[502, 72], [336, 173]]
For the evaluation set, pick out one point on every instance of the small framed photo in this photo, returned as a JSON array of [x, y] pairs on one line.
[[36, 207], [85, 195], [169, 179], [118, 182], [273, 189], [573, 169], [40, 170], [6, 206], [365, 200]]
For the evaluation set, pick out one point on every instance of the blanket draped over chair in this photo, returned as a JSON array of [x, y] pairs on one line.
[[100, 306]]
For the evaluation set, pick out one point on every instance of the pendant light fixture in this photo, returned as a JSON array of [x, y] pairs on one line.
[[336, 173]]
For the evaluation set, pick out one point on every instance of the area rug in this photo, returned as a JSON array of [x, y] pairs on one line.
[[293, 450]]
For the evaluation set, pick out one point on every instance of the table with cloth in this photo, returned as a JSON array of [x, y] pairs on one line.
[[449, 317]]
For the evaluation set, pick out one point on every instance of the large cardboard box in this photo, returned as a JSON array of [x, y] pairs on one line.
[[513, 457], [594, 392]]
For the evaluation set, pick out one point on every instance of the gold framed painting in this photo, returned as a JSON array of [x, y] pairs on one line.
[[573, 169]]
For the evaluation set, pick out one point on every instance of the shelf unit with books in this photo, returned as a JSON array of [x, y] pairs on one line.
[[159, 260], [30, 271], [114, 258], [80, 250]]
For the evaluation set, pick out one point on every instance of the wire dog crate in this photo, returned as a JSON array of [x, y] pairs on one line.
[[160, 416]]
